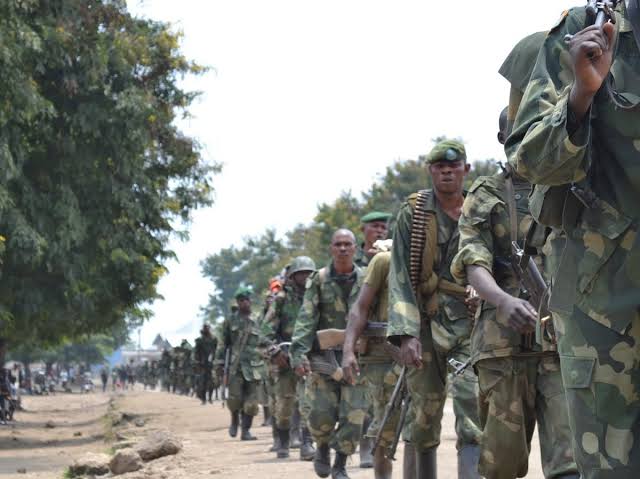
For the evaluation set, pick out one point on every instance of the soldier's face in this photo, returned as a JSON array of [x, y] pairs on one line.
[[300, 278], [374, 231], [244, 305], [343, 248], [448, 176]]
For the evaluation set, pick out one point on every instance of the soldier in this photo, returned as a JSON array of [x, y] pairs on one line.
[[434, 326], [204, 354], [153, 375], [241, 333], [329, 294], [576, 136], [165, 367], [379, 372], [288, 388], [519, 380], [375, 226]]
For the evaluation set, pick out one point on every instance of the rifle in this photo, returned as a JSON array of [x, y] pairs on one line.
[[399, 400], [225, 375], [334, 338]]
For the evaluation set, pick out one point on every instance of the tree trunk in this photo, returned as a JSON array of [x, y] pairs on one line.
[[3, 352]]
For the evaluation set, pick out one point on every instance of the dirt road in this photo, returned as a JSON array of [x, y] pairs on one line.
[[208, 450]]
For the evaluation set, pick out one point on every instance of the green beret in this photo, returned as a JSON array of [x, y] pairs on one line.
[[243, 292], [375, 216], [447, 150]]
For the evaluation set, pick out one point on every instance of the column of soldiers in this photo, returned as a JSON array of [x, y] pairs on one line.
[[519, 299]]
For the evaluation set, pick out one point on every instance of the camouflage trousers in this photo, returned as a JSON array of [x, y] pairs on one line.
[[304, 403], [243, 395], [285, 388], [601, 375], [205, 382], [337, 413], [515, 394], [380, 380], [441, 341]]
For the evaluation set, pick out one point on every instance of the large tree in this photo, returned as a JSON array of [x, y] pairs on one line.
[[95, 173]]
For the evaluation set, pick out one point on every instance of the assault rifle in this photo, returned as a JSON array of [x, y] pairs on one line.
[[225, 375], [334, 338], [401, 400]]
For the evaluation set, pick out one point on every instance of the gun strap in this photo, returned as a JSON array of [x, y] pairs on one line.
[[511, 204]]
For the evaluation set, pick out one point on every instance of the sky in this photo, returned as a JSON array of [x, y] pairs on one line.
[[307, 99]]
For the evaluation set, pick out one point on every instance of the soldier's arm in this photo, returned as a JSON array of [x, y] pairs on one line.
[[404, 315], [549, 140], [226, 341], [272, 321], [304, 332]]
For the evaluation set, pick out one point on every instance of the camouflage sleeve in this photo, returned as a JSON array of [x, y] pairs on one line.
[[226, 340], [404, 315], [271, 320], [476, 238], [540, 148], [304, 331]]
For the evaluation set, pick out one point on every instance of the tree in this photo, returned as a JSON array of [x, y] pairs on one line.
[[96, 175]]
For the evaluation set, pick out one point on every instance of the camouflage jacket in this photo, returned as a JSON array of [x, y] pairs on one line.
[[405, 318], [282, 313], [325, 306], [603, 243], [243, 335], [360, 258], [485, 241], [205, 350]]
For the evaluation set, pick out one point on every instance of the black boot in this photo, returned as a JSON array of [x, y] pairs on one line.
[[409, 462], [468, 457], [426, 464], [322, 460], [267, 416], [275, 447], [233, 428], [339, 469], [283, 450], [295, 430], [246, 426], [307, 451]]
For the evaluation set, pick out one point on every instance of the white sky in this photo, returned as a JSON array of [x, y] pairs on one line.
[[307, 99]]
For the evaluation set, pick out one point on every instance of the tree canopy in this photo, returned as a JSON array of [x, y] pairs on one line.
[[96, 176]]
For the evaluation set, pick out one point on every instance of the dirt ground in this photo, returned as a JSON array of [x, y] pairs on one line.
[[79, 426]]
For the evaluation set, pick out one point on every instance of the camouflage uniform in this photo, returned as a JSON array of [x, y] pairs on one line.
[[444, 336], [326, 302], [281, 317], [378, 371], [247, 368], [204, 353], [361, 258], [599, 276], [518, 384]]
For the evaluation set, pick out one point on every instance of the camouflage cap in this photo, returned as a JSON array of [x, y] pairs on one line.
[[375, 216], [243, 292], [447, 150]]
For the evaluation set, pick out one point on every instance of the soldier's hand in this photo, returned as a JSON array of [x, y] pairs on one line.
[[520, 315], [303, 370], [591, 52], [472, 301], [411, 352], [350, 367], [281, 360]]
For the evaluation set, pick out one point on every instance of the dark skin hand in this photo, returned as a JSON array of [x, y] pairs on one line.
[[520, 315], [356, 324], [303, 369], [591, 52]]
